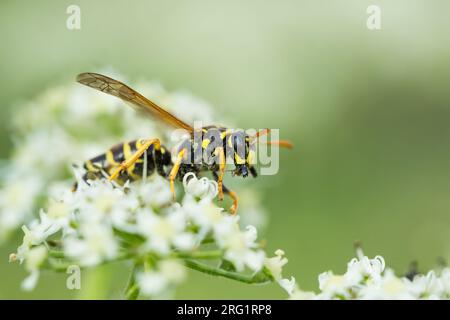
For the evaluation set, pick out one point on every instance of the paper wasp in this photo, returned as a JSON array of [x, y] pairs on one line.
[[125, 161]]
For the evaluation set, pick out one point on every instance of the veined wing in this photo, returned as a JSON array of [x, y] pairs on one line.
[[127, 94]]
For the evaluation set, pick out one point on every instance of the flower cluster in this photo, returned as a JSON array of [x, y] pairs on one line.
[[369, 279], [100, 222]]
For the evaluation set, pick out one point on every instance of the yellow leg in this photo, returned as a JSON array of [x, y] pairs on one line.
[[221, 153], [230, 193], [173, 173], [128, 162], [234, 207]]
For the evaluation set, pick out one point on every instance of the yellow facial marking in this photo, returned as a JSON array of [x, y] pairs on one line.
[[223, 134], [250, 157], [205, 143], [230, 142], [238, 159]]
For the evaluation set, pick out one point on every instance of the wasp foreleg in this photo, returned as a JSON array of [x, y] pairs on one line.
[[220, 152], [174, 171], [230, 193]]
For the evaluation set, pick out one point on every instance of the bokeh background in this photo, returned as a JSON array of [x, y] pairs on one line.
[[368, 112]]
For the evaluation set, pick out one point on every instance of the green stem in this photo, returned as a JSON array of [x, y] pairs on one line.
[[58, 262], [57, 254], [132, 289], [260, 277], [132, 293], [212, 254]]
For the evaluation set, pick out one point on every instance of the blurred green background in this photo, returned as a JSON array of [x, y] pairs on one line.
[[368, 112]]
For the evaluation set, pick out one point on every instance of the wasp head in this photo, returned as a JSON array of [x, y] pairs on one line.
[[243, 153]]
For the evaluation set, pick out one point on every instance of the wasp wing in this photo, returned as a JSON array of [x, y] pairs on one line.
[[127, 94]]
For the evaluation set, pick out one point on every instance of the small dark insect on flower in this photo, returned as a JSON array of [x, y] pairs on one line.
[[413, 270], [129, 160]]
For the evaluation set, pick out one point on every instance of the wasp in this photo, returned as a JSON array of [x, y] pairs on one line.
[[205, 150]]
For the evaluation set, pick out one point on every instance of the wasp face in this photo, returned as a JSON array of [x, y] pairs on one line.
[[243, 153]]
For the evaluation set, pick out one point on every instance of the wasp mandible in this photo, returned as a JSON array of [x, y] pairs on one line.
[[125, 161]]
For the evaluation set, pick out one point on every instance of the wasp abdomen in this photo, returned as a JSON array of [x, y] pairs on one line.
[[105, 164]]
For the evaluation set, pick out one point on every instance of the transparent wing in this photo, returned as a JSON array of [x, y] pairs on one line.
[[138, 101]]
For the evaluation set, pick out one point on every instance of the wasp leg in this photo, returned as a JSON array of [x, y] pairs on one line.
[[139, 152], [221, 154], [174, 171], [230, 193]]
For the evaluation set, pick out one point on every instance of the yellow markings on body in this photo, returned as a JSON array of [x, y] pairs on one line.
[[234, 207], [205, 143], [224, 134], [130, 170], [90, 166], [127, 151], [251, 156], [173, 173], [110, 158], [221, 154], [238, 159], [230, 142], [131, 159]]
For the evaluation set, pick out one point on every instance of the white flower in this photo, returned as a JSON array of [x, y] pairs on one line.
[[157, 283], [38, 231], [427, 286], [369, 279], [203, 213], [239, 246], [163, 232], [172, 270], [389, 287], [364, 268], [332, 285], [445, 278], [155, 194], [34, 258], [276, 264], [288, 284], [200, 188], [152, 283], [17, 201], [95, 244]]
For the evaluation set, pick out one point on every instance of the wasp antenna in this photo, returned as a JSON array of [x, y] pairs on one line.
[[260, 133], [281, 143], [263, 132]]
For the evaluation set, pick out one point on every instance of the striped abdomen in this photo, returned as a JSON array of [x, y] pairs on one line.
[[108, 162]]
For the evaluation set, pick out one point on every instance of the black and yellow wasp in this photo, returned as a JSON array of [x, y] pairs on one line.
[[125, 161]]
